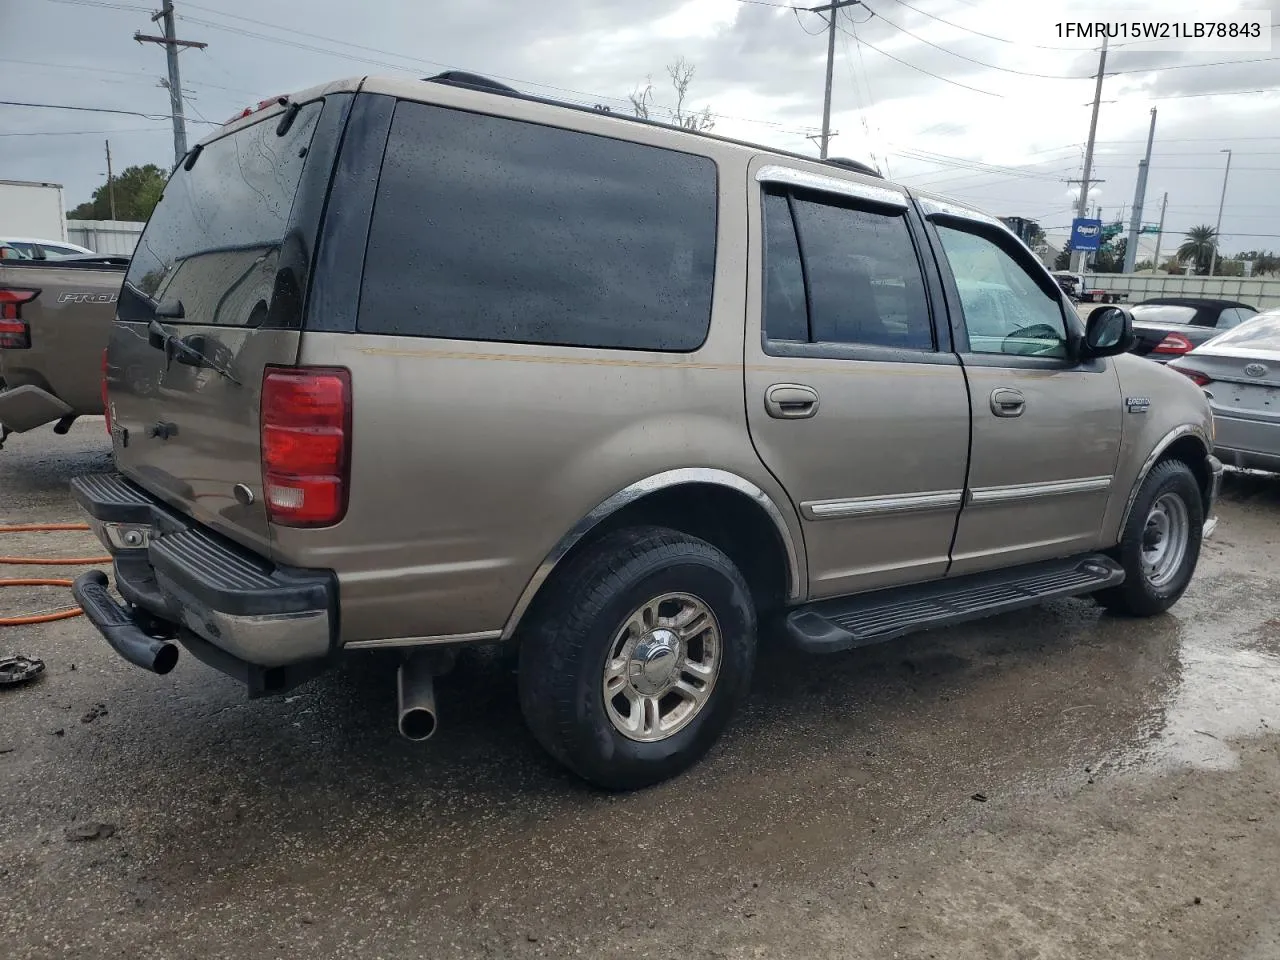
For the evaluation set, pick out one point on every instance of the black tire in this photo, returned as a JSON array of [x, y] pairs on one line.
[[1137, 596], [570, 635]]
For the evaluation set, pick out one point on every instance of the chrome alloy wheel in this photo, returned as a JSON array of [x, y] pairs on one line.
[[1165, 539], [662, 666]]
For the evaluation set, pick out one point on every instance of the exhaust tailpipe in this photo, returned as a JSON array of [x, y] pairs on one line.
[[416, 688], [118, 627]]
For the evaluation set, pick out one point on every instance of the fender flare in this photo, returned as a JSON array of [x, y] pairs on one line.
[[683, 476], [1177, 433]]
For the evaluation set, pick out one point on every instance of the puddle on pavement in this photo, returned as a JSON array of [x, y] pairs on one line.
[[1228, 680]]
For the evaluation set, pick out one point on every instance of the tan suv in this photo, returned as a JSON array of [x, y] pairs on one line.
[[416, 365]]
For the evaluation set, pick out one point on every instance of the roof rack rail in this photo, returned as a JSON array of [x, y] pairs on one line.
[[462, 78], [855, 165]]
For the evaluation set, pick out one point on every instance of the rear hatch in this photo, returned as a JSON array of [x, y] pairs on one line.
[[213, 297]]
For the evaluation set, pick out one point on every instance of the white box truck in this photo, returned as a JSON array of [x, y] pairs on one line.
[[30, 209]]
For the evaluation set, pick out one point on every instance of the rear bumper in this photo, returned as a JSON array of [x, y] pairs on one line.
[[1249, 444], [227, 605], [27, 407]]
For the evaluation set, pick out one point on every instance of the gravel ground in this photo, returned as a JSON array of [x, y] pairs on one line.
[[1054, 783]]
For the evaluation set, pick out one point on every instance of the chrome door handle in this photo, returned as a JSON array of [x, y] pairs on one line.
[[1007, 403], [790, 401]]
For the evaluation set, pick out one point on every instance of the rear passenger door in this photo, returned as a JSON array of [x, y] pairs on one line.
[[854, 399]]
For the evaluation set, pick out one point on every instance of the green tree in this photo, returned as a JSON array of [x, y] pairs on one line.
[[1063, 260], [1199, 246], [1110, 256], [1264, 261], [137, 191]]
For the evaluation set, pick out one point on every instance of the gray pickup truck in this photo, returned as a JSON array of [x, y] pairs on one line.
[[55, 319]]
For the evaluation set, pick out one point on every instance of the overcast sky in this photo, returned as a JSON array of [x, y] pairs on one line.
[[758, 66]]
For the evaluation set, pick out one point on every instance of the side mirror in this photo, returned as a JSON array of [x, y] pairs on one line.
[[1107, 332]]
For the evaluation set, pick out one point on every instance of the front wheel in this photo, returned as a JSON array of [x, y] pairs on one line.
[[637, 657], [1160, 544]]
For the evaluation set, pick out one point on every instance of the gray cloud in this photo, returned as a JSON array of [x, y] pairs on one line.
[[754, 63]]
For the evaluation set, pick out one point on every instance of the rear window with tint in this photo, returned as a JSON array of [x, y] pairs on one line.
[[486, 228], [214, 240]]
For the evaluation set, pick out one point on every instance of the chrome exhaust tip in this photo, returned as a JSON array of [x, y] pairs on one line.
[[416, 689]]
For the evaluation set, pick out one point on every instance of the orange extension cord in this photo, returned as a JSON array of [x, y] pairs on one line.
[[45, 562]]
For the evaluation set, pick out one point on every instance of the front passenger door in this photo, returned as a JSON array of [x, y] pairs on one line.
[[1046, 429]]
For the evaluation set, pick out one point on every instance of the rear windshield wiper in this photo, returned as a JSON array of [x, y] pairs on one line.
[[186, 350]]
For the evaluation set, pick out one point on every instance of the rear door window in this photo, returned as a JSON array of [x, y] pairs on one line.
[[487, 228], [214, 240], [838, 273]]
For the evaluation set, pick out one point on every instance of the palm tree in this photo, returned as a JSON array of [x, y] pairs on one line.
[[1199, 247]]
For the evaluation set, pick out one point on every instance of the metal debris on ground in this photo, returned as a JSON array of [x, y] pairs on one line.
[[19, 669]]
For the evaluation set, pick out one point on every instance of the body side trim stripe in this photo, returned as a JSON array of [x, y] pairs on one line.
[[880, 506], [980, 496]]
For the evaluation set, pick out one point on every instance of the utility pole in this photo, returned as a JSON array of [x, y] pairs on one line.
[[1160, 235], [830, 9], [171, 46], [1083, 205], [1139, 197], [111, 184], [1217, 230]]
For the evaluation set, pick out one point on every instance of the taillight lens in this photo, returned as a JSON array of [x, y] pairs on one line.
[[1173, 343], [1196, 377], [106, 404], [306, 444], [14, 332]]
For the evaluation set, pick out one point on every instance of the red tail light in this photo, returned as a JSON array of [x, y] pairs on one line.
[[106, 405], [1196, 377], [306, 444], [14, 332], [1174, 343]]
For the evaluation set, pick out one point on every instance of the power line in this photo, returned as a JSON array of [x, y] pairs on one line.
[[1217, 93], [133, 7], [954, 83], [1189, 66], [141, 75], [979, 33], [961, 56], [584, 98], [65, 106], [79, 133]]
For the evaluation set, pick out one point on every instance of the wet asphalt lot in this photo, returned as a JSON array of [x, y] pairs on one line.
[[1054, 783]]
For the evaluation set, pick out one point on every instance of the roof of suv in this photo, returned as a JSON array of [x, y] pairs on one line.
[[474, 83], [480, 84]]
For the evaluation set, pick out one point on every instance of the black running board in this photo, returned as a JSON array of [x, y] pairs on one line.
[[829, 626]]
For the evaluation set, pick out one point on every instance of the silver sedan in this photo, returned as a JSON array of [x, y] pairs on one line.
[[1240, 373]]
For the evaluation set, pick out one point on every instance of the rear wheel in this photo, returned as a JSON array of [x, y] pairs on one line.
[[1160, 544], [636, 658]]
